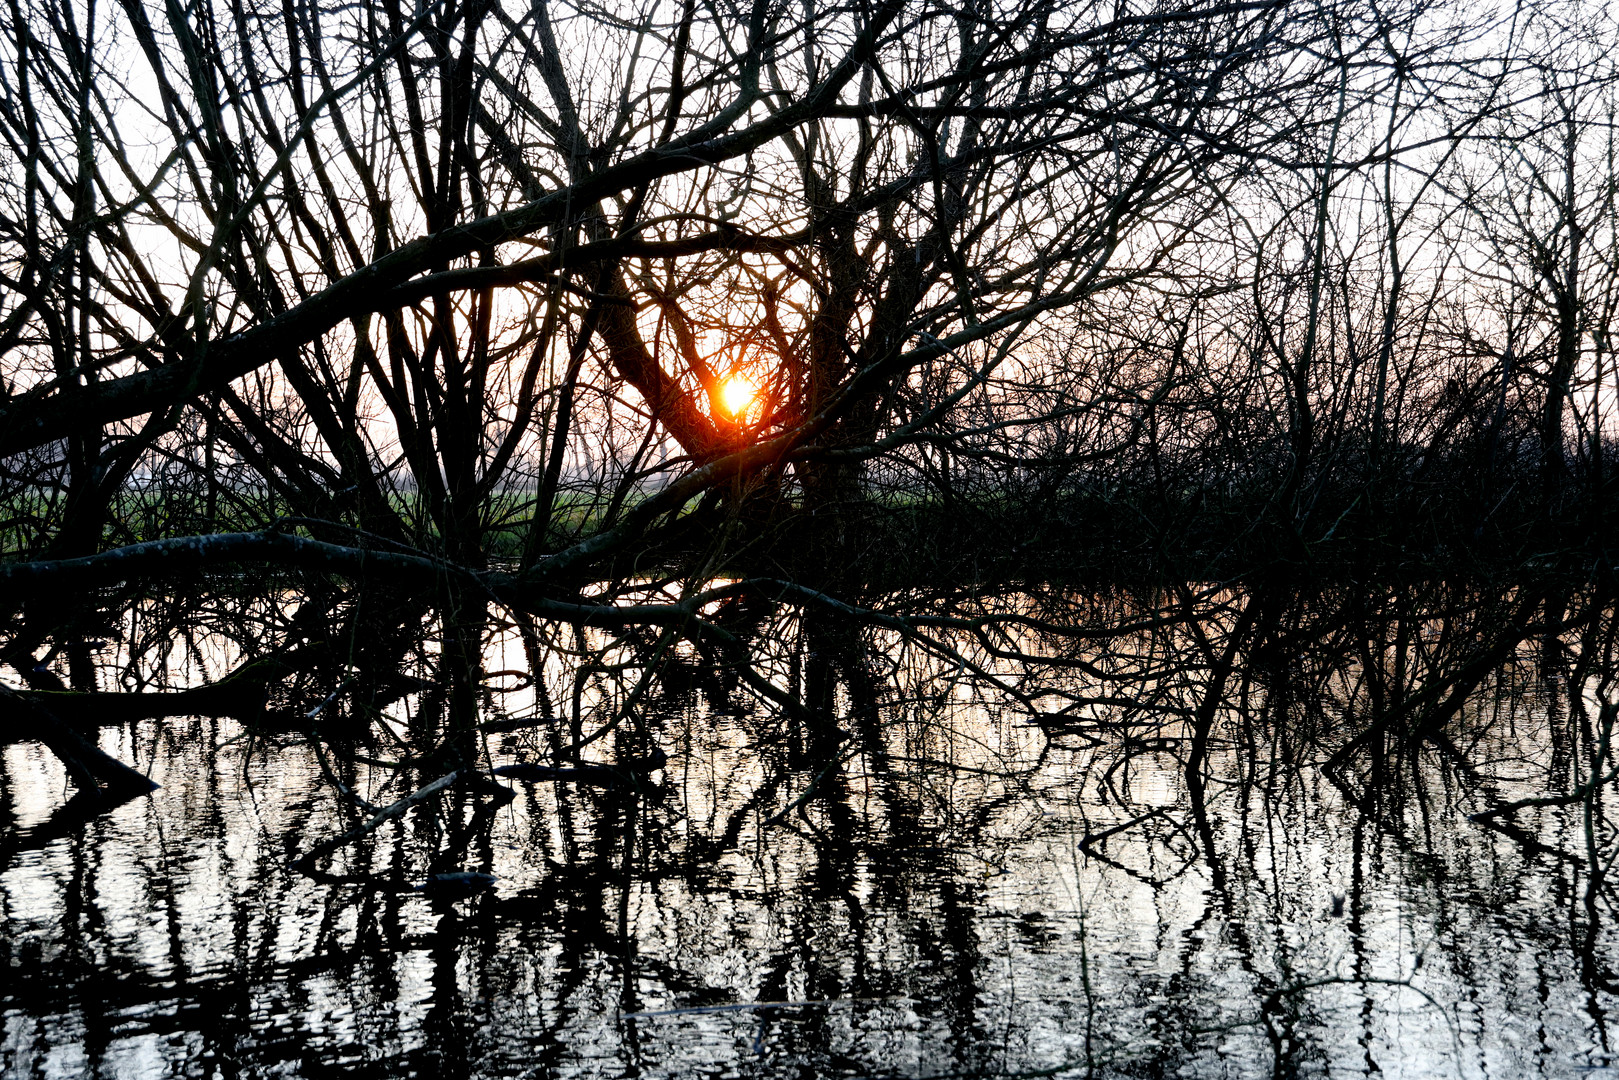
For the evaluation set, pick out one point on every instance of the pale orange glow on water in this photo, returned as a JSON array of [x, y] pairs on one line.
[[737, 394]]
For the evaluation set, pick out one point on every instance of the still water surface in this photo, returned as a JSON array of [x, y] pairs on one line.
[[948, 888]]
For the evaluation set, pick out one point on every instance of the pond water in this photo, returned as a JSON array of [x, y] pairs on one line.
[[988, 868]]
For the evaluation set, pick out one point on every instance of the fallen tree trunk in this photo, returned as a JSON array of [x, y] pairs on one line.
[[242, 700], [88, 766]]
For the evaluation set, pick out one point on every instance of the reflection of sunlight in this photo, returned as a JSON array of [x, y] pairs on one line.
[[1114, 884], [737, 394]]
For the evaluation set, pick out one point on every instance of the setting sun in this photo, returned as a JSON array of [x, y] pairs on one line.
[[737, 394]]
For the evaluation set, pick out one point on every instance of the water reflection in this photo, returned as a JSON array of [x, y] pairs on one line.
[[1250, 834]]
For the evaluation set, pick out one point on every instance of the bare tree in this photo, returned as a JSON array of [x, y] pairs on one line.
[[501, 304]]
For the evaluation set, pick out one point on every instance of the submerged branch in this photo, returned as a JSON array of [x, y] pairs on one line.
[[382, 817]]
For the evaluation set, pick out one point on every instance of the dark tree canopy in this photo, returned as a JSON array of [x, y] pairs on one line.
[[529, 305]]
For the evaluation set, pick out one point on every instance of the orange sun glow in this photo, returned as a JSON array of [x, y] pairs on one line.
[[737, 394]]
